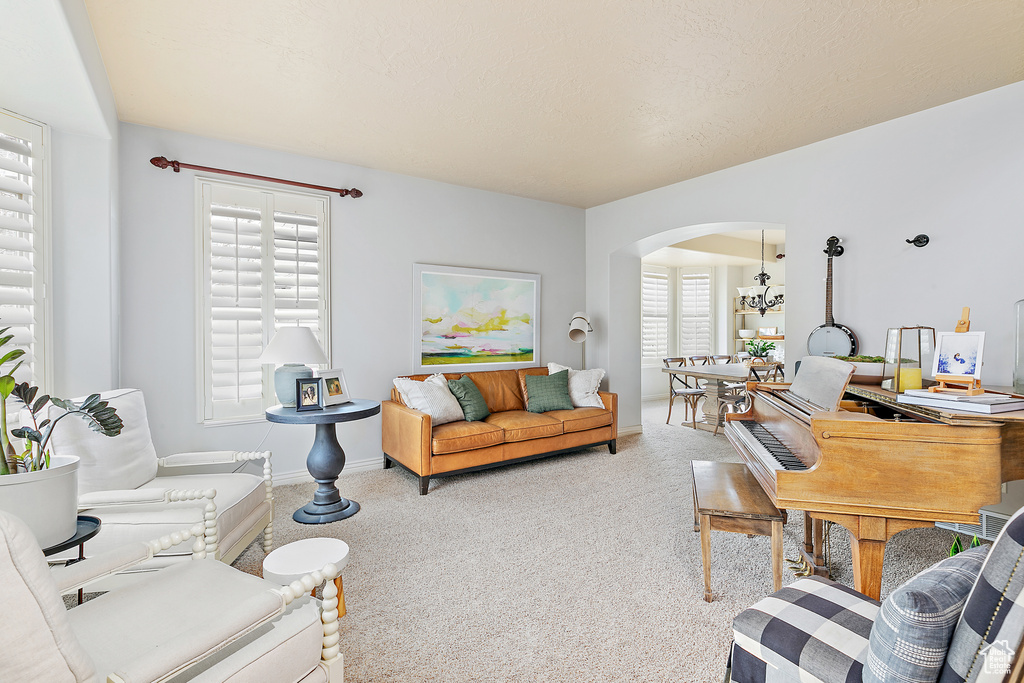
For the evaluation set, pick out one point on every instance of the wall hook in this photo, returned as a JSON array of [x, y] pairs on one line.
[[919, 241]]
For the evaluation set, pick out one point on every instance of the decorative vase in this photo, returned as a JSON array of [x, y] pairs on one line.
[[46, 500]]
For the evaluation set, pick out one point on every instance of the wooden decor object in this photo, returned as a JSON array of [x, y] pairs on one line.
[[959, 384]]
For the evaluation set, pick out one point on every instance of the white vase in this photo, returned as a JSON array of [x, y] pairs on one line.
[[47, 500]]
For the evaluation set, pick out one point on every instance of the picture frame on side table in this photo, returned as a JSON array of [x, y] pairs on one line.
[[308, 394], [335, 389]]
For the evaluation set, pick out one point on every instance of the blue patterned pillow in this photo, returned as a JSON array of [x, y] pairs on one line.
[[911, 634]]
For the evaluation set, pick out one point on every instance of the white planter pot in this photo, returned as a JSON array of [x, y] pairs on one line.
[[47, 500]]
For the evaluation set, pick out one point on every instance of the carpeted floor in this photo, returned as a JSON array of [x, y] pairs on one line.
[[582, 567]]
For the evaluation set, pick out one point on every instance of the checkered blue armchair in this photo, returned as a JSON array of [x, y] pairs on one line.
[[960, 620]]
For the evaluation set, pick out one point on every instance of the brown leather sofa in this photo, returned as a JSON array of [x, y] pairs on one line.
[[509, 434]]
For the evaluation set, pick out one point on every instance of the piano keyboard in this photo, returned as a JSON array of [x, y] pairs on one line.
[[763, 442]]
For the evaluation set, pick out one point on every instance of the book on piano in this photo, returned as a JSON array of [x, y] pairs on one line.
[[985, 403]]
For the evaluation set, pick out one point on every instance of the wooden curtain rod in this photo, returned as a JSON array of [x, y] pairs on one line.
[[162, 162]]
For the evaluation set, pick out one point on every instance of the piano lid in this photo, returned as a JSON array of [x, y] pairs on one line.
[[822, 381]]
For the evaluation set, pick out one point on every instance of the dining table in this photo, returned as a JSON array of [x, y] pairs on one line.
[[717, 379]]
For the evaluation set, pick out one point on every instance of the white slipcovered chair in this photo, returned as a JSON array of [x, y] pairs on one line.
[[196, 621], [118, 482]]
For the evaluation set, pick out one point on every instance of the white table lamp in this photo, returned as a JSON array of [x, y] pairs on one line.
[[292, 347]]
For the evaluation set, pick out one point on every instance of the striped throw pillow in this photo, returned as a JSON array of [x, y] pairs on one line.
[[431, 396]]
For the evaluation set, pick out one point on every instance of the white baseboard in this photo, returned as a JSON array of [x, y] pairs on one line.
[[632, 429], [304, 477]]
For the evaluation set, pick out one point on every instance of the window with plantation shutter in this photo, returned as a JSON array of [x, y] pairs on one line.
[[654, 312], [695, 312], [22, 260], [263, 267]]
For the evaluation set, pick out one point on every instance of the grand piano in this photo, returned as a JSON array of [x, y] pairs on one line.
[[850, 454]]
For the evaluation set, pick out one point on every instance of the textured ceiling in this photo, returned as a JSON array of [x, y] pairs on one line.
[[579, 102]]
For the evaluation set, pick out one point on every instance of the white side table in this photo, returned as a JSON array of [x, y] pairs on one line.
[[295, 560]]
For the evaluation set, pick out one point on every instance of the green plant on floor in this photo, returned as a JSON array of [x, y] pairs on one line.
[[759, 348], [35, 456]]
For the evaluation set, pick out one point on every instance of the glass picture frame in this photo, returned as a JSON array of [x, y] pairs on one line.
[[308, 394], [334, 389]]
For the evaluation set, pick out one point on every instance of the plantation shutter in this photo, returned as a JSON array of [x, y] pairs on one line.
[[262, 270], [21, 261], [695, 317], [654, 313]]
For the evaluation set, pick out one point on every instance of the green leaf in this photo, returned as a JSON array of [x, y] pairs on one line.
[[11, 355], [92, 400], [61, 403], [7, 384], [40, 402]]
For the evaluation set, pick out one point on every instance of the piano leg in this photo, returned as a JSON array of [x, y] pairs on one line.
[[867, 541], [813, 533], [868, 555]]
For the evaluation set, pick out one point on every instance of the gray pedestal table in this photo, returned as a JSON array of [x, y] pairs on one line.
[[326, 458]]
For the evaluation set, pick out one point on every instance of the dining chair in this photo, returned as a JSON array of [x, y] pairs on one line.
[[721, 359], [678, 386]]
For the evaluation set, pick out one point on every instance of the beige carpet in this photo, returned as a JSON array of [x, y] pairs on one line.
[[582, 567]]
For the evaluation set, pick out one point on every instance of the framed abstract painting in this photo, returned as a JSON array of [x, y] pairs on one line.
[[468, 319]]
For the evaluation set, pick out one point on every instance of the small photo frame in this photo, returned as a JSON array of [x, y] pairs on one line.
[[335, 390], [958, 353], [308, 395]]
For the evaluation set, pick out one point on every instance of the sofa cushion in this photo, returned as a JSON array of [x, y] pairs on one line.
[[464, 436], [521, 425], [500, 388], [581, 419], [990, 627], [811, 630], [583, 385], [548, 393], [469, 397], [431, 396], [911, 635]]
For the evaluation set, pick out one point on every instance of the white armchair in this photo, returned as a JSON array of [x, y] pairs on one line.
[[198, 621], [119, 482]]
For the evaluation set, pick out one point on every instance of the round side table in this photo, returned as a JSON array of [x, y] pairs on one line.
[[87, 528], [295, 560], [326, 458]]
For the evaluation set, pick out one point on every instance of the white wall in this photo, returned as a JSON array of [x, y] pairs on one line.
[[374, 242], [51, 71], [952, 172]]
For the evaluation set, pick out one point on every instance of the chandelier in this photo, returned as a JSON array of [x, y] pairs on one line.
[[759, 300]]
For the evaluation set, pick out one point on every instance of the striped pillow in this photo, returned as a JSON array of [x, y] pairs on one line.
[[911, 635], [431, 396]]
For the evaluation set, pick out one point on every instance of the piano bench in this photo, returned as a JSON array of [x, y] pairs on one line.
[[727, 497]]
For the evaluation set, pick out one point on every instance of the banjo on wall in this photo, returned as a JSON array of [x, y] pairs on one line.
[[831, 339]]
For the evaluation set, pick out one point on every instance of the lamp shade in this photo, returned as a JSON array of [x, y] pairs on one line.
[[293, 345], [579, 327]]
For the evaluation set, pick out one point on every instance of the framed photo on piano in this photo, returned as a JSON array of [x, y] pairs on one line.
[[958, 353]]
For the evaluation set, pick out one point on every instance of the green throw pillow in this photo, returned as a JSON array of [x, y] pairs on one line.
[[548, 393], [474, 407]]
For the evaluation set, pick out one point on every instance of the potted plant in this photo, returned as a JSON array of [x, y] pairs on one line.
[[758, 348], [40, 488]]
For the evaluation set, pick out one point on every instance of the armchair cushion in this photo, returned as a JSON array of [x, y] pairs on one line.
[[239, 494], [39, 643], [140, 646], [992, 622], [126, 461], [910, 639], [813, 629]]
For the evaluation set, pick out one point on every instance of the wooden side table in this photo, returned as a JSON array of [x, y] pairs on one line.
[[727, 497], [326, 458]]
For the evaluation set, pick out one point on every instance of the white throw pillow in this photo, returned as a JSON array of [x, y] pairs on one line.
[[431, 396], [583, 385]]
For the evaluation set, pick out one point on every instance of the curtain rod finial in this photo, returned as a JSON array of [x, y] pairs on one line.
[[354, 193], [162, 162]]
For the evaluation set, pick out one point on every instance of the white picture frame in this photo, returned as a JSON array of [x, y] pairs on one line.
[[958, 353], [333, 387], [467, 319]]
